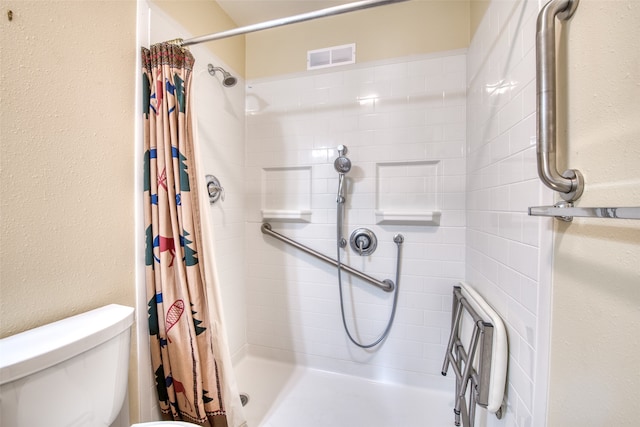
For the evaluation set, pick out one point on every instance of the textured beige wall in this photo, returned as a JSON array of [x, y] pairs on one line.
[[206, 17], [477, 9], [595, 350], [66, 153], [410, 28]]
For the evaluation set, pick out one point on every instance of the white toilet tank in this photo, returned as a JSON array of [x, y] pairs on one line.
[[69, 373]]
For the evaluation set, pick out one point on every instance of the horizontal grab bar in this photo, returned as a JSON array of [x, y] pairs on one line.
[[566, 212], [386, 285]]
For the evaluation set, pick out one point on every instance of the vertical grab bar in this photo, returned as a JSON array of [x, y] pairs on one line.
[[570, 184]]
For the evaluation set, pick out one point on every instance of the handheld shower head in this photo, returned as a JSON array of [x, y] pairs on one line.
[[227, 79], [342, 165]]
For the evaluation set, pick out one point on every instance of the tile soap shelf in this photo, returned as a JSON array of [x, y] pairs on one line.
[[286, 194], [386, 217], [408, 192], [286, 215]]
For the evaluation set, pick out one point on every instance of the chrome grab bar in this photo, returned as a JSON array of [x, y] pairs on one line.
[[386, 285], [570, 184], [566, 211]]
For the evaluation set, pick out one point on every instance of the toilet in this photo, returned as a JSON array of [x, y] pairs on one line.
[[69, 373]]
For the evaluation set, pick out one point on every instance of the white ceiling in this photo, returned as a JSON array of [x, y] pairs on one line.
[[245, 12]]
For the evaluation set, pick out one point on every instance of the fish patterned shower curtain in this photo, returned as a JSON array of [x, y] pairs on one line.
[[183, 341]]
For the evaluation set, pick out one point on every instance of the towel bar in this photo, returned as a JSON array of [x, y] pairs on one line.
[[566, 212]]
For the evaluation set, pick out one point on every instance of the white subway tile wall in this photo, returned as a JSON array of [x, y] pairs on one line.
[[403, 122], [506, 250]]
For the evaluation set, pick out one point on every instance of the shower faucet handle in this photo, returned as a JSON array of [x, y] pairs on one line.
[[342, 150], [363, 241], [214, 188]]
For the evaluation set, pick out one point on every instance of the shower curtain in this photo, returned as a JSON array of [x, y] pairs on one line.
[[188, 348]]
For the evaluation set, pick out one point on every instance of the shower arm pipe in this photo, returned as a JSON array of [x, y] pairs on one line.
[[570, 184], [322, 13], [386, 285]]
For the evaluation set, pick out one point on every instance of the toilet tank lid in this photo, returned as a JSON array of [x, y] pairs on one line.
[[40, 348]]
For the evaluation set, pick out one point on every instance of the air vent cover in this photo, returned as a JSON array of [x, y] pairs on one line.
[[331, 56]]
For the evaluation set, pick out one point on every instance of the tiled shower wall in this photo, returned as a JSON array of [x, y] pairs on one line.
[[403, 122], [410, 113], [508, 259]]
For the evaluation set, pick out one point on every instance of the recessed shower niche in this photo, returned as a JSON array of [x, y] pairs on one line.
[[408, 193], [286, 194]]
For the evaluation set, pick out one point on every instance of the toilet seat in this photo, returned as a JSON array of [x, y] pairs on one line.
[[165, 424]]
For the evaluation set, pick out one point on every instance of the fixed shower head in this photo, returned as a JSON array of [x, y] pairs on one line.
[[227, 79]]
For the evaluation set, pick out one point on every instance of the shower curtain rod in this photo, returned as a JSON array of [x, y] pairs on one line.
[[330, 11]]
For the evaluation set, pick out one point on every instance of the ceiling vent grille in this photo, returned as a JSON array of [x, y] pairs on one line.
[[331, 56]]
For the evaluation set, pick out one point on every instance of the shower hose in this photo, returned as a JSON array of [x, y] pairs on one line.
[[398, 240]]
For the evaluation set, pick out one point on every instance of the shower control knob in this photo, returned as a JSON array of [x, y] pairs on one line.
[[363, 241]]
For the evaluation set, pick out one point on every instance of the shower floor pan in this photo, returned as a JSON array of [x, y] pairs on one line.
[[285, 395]]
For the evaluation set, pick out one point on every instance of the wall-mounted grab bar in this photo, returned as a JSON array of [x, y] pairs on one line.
[[570, 184], [386, 285], [566, 212]]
